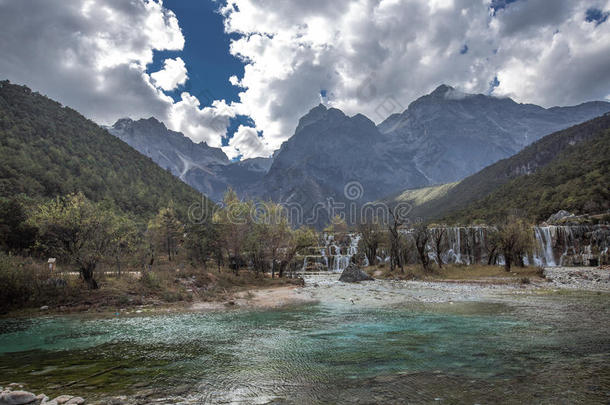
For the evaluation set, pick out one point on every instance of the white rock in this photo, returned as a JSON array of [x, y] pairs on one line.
[[62, 399], [76, 401], [17, 398]]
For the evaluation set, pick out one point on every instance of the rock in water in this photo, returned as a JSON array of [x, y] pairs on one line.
[[16, 398], [353, 274]]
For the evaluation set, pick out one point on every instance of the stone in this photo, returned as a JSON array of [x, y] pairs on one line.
[[62, 399], [44, 307], [42, 398], [76, 401], [559, 215], [17, 398], [353, 274]]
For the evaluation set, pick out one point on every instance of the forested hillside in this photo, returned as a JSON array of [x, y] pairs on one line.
[[565, 156], [49, 150], [578, 181]]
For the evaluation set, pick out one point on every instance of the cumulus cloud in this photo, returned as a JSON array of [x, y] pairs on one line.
[[93, 56], [172, 75], [246, 143], [376, 56], [369, 56]]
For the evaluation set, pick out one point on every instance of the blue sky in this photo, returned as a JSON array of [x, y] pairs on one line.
[[206, 52], [206, 55]]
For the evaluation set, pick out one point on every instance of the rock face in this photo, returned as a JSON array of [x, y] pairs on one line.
[[203, 167], [328, 152], [353, 274], [451, 134]]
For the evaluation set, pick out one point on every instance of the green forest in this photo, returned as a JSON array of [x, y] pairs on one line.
[[48, 150]]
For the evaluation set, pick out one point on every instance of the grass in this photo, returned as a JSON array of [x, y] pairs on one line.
[[459, 272]]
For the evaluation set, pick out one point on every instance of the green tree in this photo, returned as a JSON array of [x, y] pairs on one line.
[[166, 231], [202, 242], [16, 235], [75, 230]]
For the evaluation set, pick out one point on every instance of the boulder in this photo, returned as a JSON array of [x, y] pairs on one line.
[[16, 398], [558, 216], [75, 401], [354, 274]]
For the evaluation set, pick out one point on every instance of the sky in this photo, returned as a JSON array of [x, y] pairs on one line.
[[238, 74]]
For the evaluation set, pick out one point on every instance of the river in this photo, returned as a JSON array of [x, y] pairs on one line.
[[550, 347]]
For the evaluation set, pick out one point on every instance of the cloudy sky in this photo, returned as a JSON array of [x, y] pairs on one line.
[[239, 73]]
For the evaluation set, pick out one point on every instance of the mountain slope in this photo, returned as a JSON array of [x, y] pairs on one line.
[[328, 151], [577, 180], [48, 150], [451, 134], [524, 169], [205, 168]]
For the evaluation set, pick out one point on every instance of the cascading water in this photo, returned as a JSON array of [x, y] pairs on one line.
[[578, 244], [544, 245]]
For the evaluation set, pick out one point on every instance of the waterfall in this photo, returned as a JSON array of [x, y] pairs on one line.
[[544, 243], [565, 245]]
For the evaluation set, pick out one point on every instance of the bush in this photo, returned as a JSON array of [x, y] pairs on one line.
[[26, 283], [151, 280]]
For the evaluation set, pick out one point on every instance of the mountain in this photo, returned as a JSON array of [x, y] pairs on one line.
[[569, 169], [328, 151], [205, 168], [49, 150], [451, 134]]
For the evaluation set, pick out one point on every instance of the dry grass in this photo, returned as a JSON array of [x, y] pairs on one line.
[[459, 272]]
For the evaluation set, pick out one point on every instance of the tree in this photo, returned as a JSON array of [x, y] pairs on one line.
[[439, 243], [233, 220], [126, 238], [278, 234], [421, 237], [166, 230], [300, 239], [201, 242], [370, 239], [492, 245], [394, 239], [16, 235], [75, 230], [514, 239]]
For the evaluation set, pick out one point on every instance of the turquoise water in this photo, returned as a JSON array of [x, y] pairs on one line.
[[462, 353]]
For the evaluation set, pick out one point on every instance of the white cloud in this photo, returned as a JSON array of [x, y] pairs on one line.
[[93, 56], [376, 56], [172, 75], [246, 143], [369, 56]]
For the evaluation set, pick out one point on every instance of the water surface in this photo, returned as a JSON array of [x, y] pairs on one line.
[[551, 349]]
